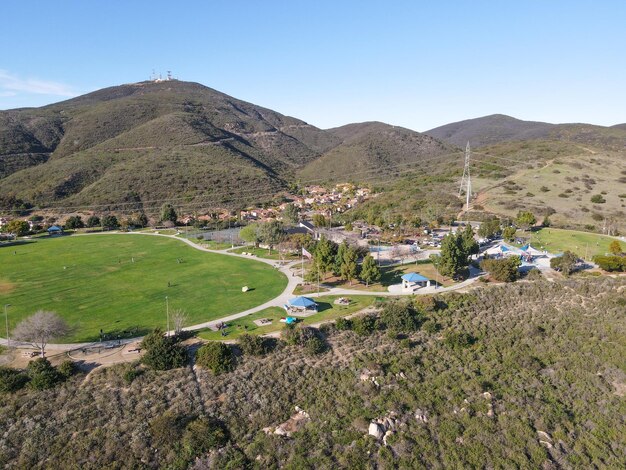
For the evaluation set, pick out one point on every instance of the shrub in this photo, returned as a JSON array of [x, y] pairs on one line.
[[504, 269], [252, 344], [364, 325], [315, 345], [611, 263], [400, 316], [534, 275], [11, 380], [166, 429], [42, 374], [215, 356], [457, 339], [565, 263], [204, 434], [431, 327], [131, 374], [67, 368], [598, 199], [343, 324], [163, 353]]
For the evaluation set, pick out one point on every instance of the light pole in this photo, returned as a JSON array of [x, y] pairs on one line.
[[167, 311], [6, 323]]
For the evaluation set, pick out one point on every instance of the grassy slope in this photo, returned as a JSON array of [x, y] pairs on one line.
[[571, 174], [556, 240], [101, 288]]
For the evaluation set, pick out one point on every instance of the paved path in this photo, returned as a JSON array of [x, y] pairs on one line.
[[293, 280]]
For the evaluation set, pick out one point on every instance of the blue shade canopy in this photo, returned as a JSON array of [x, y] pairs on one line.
[[55, 228], [414, 277], [302, 302], [504, 248]]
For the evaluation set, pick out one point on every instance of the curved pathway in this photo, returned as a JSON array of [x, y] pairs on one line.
[[286, 268]]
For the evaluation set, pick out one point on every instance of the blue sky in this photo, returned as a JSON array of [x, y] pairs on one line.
[[411, 63]]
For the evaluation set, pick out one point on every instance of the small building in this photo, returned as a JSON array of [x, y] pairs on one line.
[[55, 230], [412, 281], [301, 306]]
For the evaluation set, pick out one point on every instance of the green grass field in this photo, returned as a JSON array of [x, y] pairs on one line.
[[556, 240], [93, 283], [328, 310]]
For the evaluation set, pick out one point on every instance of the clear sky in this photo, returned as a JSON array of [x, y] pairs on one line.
[[413, 63]]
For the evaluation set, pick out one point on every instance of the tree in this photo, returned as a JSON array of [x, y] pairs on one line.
[[215, 356], [611, 263], [319, 220], [271, 233], [364, 325], [40, 328], [74, 222], [525, 219], [341, 250], [508, 233], [252, 344], [400, 316], [168, 213], [469, 244], [93, 221], [370, 272], [142, 220], [110, 222], [566, 263], [453, 259], [615, 247], [350, 266], [42, 374], [489, 228], [163, 353], [179, 318], [11, 380], [291, 214], [250, 234], [19, 228], [503, 270], [325, 251]]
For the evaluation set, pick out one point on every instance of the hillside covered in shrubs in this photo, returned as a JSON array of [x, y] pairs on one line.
[[524, 375]]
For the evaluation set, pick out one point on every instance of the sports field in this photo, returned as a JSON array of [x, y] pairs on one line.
[[557, 240], [118, 283]]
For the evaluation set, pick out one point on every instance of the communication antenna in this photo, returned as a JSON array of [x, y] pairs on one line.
[[466, 181], [169, 74]]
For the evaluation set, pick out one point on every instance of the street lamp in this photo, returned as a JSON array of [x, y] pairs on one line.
[[6, 323], [167, 310]]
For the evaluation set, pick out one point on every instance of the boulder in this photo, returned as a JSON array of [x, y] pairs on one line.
[[376, 430]]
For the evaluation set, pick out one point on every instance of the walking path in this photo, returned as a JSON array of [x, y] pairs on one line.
[[293, 279]]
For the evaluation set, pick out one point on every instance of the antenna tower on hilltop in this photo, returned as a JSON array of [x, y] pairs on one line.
[[466, 181]]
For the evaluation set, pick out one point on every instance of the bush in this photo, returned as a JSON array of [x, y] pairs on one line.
[[457, 339], [252, 344], [400, 316], [611, 263], [566, 263], [42, 374], [315, 345], [204, 434], [67, 368], [598, 199], [431, 327], [343, 324], [12, 380], [534, 275], [364, 325], [215, 356], [504, 269], [163, 353], [131, 374]]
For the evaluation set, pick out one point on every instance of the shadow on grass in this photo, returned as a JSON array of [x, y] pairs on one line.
[[16, 243]]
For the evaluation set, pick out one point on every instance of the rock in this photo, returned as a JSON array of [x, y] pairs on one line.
[[544, 434], [376, 430], [487, 395], [268, 430], [280, 431], [386, 436], [546, 443], [490, 411], [421, 416]]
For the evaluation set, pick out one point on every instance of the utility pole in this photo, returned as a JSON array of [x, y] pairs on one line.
[[6, 323], [167, 312], [466, 180]]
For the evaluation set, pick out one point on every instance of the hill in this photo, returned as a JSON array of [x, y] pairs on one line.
[[151, 141], [529, 375], [497, 128], [375, 151]]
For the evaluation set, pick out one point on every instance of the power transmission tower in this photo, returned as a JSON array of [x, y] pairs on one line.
[[466, 181]]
